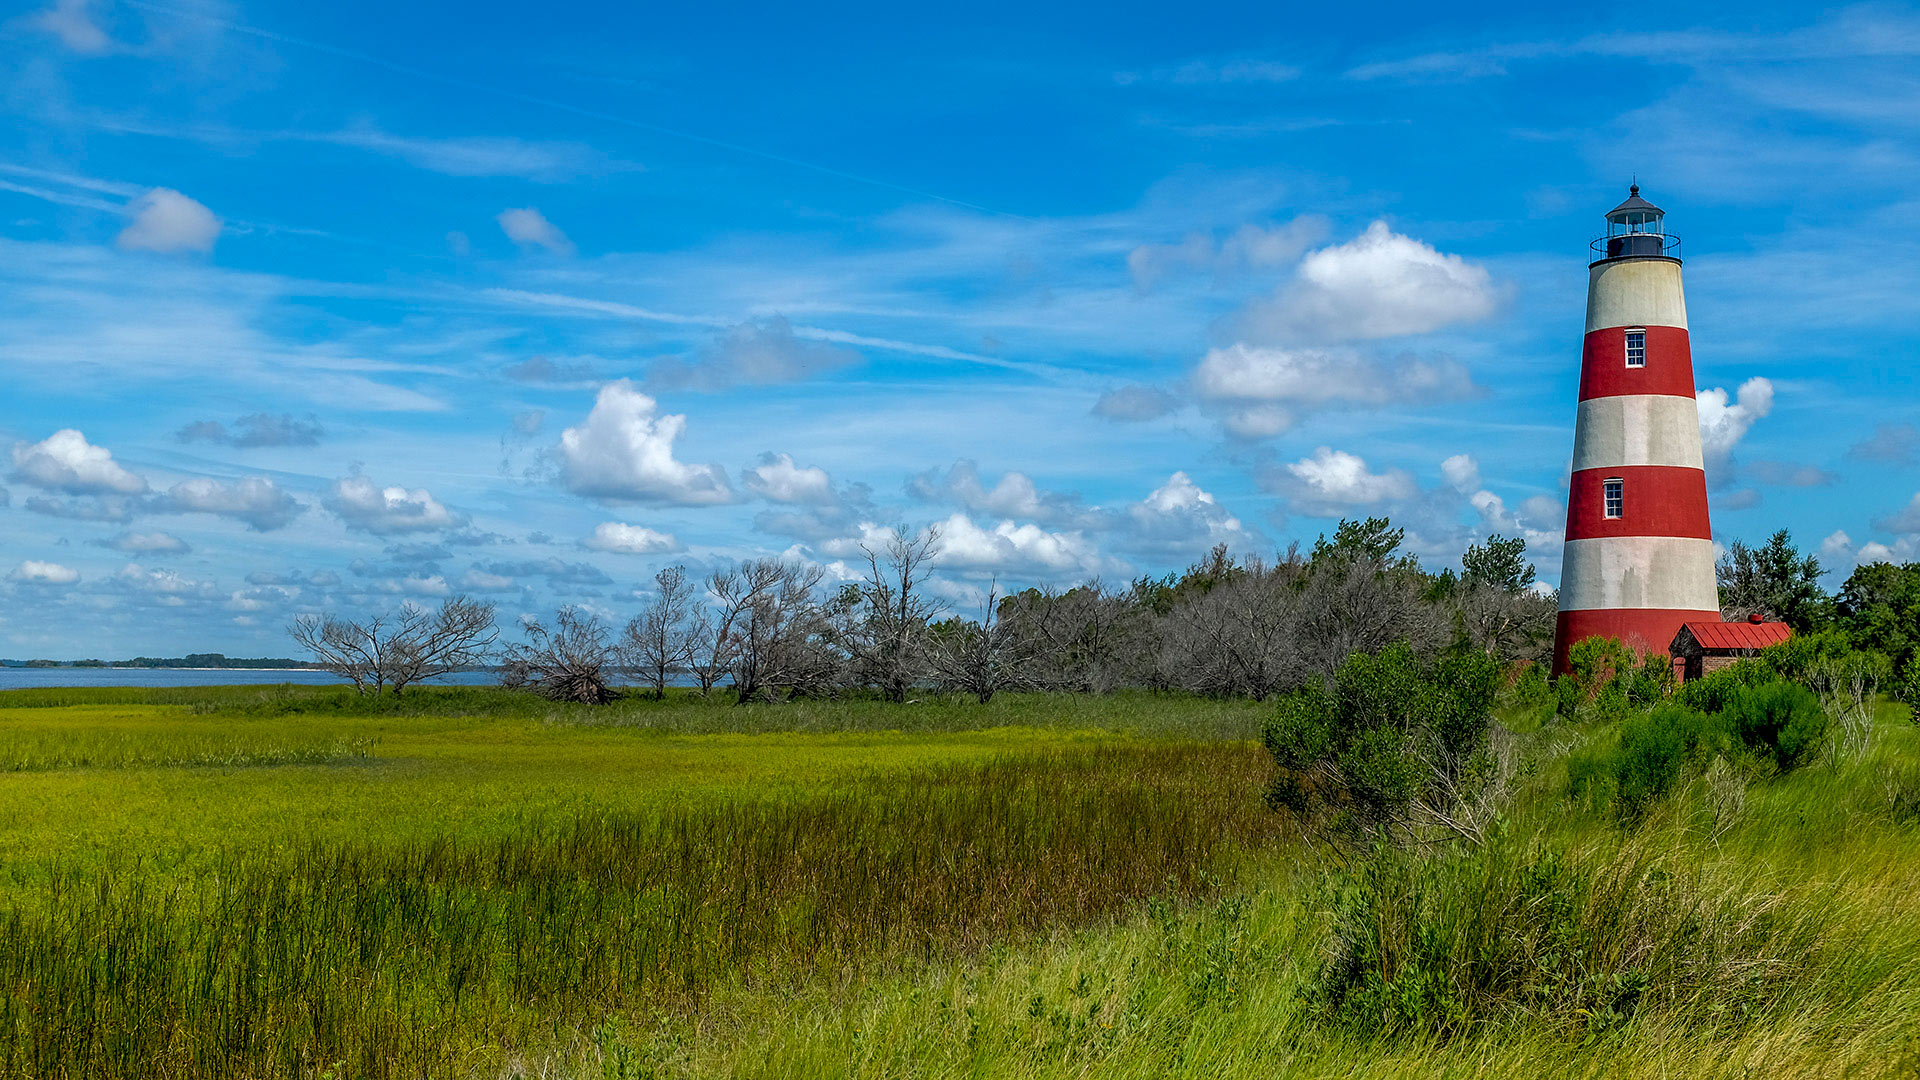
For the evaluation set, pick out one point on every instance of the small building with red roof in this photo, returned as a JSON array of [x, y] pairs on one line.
[[1701, 648]]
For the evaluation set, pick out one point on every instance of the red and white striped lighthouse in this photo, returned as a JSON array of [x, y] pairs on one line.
[[1638, 561]]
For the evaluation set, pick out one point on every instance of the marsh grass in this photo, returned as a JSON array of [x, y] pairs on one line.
[[425, 959]]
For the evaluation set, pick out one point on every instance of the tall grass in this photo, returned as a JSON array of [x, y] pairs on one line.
[[426, 959]]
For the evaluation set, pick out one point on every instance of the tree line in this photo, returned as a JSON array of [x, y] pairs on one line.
[[770, 629]]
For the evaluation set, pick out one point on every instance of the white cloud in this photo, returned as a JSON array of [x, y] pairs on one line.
[[1014, 495], [624, 451], [147, 543], [166, 221], [170, 585], [255, 500], [1725, 420], [1462, 472], [389, 511], [481, 581], [1260, 391], [32, 572], [1378, 285], [1251, 247], [65, 461], [1180, 518], [1331, 481], [618, 536], [1837, 548], [778, 479], [72, 23], [529, 228], [1009, 546], [476, 155]]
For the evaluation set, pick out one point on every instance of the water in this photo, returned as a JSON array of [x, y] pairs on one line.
[[13, 678]]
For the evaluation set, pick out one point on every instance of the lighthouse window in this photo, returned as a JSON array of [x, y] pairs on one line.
[[1615, 496], [1636, 348]]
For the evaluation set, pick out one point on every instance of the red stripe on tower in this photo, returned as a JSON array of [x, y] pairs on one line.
[[1654, 500], [1665, 363]]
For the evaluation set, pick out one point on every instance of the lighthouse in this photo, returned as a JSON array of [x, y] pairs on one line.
[[1638, 560]]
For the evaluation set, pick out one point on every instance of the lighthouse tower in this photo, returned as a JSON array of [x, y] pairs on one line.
[[1639, 555]]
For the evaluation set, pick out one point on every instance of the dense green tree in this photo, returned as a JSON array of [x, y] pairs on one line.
[[1500, 562], [1879, 608], [1775, 581]]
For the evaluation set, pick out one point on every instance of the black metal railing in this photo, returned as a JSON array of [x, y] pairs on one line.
[[1627, 245]]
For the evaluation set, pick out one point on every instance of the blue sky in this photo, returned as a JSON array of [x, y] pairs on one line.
[[328, 307]]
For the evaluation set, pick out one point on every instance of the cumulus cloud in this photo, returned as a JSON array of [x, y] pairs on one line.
[[1331, 482], [1180, 518], [1134, 404], [166, 221], [624, 452], [388, 511], [255, 500], [1013, 495], [66, 462], [72, 22], [1261, 391], [483, 582], [32, 572], [1895, 444], [778, 479], [1725, 419], [1013, 547], [1462, 473], [1379, 285], [113, 508], [529, 228], [146, 543], [256, 429], [168, 587], [625, 539], [757, 353]]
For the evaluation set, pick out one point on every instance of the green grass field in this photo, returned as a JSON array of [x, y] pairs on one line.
[[265, 882]]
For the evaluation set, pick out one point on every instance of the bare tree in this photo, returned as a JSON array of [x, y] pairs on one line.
[[431, 643], [772, 630], [981, 658], [398, 650], [1239, 636], [662, 640], [573, 661], [883, 630], [1088, 638]]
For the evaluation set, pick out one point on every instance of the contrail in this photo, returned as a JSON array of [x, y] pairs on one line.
[[549, 103]]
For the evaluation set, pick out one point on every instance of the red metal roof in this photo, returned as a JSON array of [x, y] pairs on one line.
[[1739, 635]]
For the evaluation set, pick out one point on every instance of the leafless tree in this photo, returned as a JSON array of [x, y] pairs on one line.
[[573, 661], [981, 658], [662, 640], [1363, 604], [772, 630], [1240, 635], [400, 649], [1506, 623], [883, 629], [1089, 638]]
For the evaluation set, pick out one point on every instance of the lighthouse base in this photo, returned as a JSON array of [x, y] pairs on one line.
[[1642, 629]]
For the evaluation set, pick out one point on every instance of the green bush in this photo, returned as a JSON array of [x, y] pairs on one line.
[[1360, 749], [1777, 720], [1647, 756], [1711, 693], [1583, 940]]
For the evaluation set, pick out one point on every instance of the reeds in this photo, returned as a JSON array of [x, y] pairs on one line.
[[434, 958]]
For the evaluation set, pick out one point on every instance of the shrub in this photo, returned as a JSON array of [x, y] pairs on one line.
[[1777, 720], [1385, 732], [1581, 941], [1711, 693], [1649, 753]]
